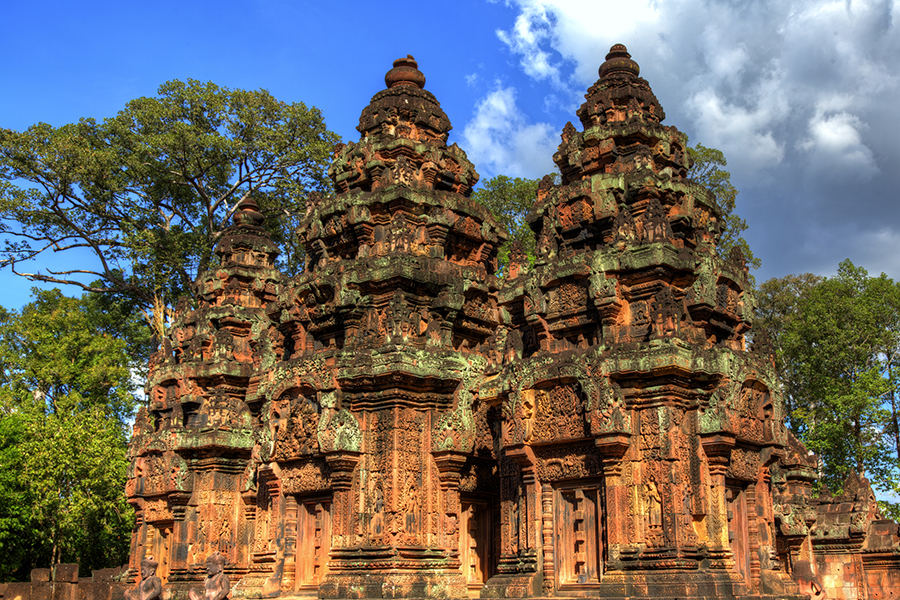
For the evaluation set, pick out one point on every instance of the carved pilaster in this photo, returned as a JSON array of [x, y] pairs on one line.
[[612, 447], [547, 534], [718, 447], [342, 465], [450, 464]]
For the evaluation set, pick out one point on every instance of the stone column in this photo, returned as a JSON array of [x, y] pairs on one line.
[[717, 447], [450, 464], [288, 579], [342, 465], [612, 447], [547, 534]]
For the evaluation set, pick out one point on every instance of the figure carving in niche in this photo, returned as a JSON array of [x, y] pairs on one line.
[[216, 586], [656, 223], [178, 471], [377, 523], [369, 325], [492, 347], [652, 513], [639, 313], [664, 318], [411, 504], [433, 333], [768, 417], [379, 236], [625, 229], [249, 479], [609, 413], [547, 244], [391, 326], [150, 586], [513, 347], [280, 412], [527, 402], [322, 251], [422, 241]]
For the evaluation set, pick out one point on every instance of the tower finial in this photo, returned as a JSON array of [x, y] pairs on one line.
[[405, 72], [619, 61]]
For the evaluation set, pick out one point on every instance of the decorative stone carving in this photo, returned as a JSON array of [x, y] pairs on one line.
[[150, 586], [216, 586], [398, 421]]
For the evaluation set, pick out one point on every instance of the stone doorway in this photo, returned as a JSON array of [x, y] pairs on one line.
[[578, 537], [313, 543], [738, 534], [476, 543]]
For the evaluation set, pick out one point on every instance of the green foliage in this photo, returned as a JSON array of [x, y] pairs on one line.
[[889, 510], [148, 192], [777, 302], [16, 547], [66, 394], [509, 200], [706, 170], [838, 343], [62, 354], [73, 467]]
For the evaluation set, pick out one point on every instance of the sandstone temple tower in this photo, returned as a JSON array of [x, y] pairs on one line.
[[401, 420]]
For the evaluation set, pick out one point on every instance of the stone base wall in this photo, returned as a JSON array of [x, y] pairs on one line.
[[63, 583]]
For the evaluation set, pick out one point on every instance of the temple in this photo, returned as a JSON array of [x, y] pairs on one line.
[[404, 420]]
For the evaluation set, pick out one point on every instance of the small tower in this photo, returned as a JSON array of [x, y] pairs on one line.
[[639, 422], [193, 444]]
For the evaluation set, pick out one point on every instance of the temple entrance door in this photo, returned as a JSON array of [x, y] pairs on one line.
[[158, 547], [313, 543], [738, 535], [578, 537], [475, 543]]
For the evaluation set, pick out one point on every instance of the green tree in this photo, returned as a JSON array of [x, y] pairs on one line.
[[66, 396], [509, 200], [74, 465], [147, 193], [777, 305], [61, 354], [706, 169], [838, 357], [17, 547]]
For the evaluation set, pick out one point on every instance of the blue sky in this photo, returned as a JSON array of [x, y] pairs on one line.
[[800, 95]]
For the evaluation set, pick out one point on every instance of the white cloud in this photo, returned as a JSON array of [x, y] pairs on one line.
[[835, 147], [548, 34], [746, 134], [532, 28], [499, 140]]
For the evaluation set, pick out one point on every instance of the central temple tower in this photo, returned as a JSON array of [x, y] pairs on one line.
[[377, 349]]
